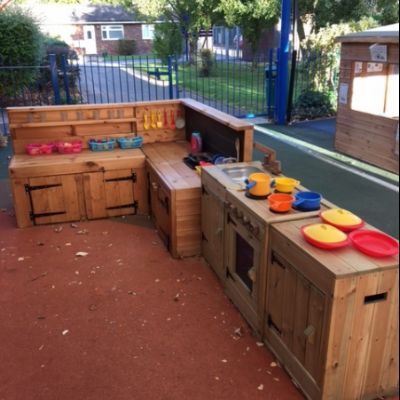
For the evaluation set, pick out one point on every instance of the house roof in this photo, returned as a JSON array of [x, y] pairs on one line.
[[76, 14], [383, 34]]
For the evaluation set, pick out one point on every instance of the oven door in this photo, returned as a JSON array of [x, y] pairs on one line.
[[242, 268]]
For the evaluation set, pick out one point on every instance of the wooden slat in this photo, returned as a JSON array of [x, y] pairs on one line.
[[361, 52], [341, 315], [314, 357], [95, 195], [289, 309], [300, 320], [70, 123]]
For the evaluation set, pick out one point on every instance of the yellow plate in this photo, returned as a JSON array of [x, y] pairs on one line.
[[341, 217], [324, 233]]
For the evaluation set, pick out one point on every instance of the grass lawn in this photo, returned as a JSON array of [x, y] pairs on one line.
[[237, 85]]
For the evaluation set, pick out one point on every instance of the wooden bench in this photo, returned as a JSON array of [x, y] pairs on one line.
[[61, 188]]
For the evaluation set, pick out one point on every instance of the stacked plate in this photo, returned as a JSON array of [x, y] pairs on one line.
[[332, 234]]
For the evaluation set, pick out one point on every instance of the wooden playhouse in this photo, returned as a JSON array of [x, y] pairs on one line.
[[368, 109]]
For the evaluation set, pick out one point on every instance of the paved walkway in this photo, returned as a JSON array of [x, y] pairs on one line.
[[372, 198]]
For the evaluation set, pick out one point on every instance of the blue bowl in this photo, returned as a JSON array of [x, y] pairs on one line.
[[307, 201]]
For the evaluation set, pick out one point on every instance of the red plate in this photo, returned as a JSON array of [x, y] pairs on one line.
[[323, 245], [375, 244]]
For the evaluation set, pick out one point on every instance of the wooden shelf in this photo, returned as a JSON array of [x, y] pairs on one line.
[[76, 122]]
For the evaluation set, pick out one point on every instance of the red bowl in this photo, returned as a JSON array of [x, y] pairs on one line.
[[375, 244]]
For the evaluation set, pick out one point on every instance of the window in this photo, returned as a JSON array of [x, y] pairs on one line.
[[147, 32], [112, 32], [376, 88]]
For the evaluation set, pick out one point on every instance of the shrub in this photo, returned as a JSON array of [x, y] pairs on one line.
[[126, 47], [168, 41], [20, 44], [312, 104], [206, 63]]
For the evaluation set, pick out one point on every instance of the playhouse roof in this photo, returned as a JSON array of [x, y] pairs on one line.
[[383, 34]]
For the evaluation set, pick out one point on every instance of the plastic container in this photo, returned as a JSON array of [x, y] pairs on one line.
[[280, 203], [196, 143], [325, 236], [344, 220], [285, 185], [73, 147], [102, 145], [134, 142], [375, 244], [39, 149], [307, 201]]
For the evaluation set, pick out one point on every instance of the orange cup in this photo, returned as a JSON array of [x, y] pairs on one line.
[[281, 203]]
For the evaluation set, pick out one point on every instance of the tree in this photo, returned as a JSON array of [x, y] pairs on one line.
[[252, 16], [329, 12], [190, 15], [167, 40], [27, 50]]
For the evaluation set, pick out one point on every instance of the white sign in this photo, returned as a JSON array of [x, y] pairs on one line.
[[379, 52], [343, 93], [374, 67], [358, 68]]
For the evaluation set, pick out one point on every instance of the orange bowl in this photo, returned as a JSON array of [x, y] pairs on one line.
[[281, 203]]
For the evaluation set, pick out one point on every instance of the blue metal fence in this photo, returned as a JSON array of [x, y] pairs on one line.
[[230, 84]]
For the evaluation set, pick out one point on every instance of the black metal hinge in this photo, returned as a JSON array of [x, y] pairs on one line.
[[29, 188], [134, 205], [33, 216], [132, 178]]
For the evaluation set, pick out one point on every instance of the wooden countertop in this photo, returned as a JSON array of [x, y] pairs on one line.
[[167, 159], [341, 262], [259, 208], [26, 166]]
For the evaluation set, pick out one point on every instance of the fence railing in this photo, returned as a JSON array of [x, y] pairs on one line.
[[238, 87]]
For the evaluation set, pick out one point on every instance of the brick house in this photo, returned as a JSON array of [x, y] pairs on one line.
[[93, 29]]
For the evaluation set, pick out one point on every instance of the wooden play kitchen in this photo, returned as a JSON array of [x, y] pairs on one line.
[[330, 317], [92, 184]]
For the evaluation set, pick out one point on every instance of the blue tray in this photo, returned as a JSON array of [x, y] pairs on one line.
[[106, 145], [131, 142]]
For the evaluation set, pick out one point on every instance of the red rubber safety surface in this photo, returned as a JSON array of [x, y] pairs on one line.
[[124, 322]]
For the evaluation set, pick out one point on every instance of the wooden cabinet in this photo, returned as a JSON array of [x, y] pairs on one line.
[[99, 185], [331, 318], [213, 226], [110, 193], [175, 196], [53, 199]]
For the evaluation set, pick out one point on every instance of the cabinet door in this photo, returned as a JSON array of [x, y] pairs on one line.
[[212, 225], [54, 199], [110, 193], [295, 313], [160, 200]]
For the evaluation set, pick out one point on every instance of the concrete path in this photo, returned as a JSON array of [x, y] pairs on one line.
[[107, 83], [373, 200]]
